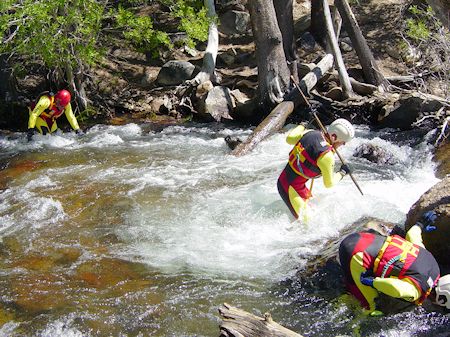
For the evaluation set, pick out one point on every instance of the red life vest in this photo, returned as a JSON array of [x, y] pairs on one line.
[[51, 113], [304, 155], [403, 259]]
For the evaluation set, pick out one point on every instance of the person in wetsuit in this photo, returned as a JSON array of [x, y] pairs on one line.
[[312, 156], [48, 108], [398, 267]]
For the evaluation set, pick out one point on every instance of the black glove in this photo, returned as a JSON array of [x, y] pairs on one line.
[[345, 169], [427, 221], [30, 134]]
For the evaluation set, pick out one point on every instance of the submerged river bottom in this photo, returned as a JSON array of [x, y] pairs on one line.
[[130, 232]]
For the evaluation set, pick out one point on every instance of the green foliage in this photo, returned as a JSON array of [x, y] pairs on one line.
[[51, 32], [139, 31], [193, 18], [420, 25], [424, 33]]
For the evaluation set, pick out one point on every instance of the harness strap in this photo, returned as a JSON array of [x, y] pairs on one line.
[[390, 263], [380, 253]]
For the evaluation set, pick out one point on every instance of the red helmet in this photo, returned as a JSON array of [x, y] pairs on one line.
[[63, 96]]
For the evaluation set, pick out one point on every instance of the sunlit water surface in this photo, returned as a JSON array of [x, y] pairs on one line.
[[127, 231]]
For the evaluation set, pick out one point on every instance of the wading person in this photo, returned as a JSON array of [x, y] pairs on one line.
[[48, 108], [398, 267], [312, 156]]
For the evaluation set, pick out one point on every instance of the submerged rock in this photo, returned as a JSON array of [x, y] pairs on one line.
[[375, 154]]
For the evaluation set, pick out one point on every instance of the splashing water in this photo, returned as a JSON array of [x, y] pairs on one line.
[[149, 232]]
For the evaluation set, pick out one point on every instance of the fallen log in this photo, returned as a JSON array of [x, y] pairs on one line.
[[240, 323], [360, 88], [276, 119]]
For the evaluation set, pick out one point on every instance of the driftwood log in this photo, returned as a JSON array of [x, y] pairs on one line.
[[276, 119], [239, 323]]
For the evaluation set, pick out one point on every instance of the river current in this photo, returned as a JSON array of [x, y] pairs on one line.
[[132, 231]]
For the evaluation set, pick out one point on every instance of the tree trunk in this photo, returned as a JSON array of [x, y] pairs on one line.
[[239, 323], [80, 94], [209, 59], [318, 22], [285, 19], [8, 89], [277, 118], [273, 71], [372, 73], [331, 37], [337, 22]]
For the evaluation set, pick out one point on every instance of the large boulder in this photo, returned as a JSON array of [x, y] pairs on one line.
[[175, 72], [403, 111], [437, 198]]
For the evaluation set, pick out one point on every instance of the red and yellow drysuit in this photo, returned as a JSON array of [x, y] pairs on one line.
[[402, 268], [44, 115], [311, 156]]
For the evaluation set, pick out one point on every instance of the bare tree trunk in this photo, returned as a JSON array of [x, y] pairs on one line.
[[372, 73], [209, 59], [285, 18], [277, 118], [337, 22], [80, 94], [331, 35], [239, 323], [8, 86], [273, 71], [318, 22]]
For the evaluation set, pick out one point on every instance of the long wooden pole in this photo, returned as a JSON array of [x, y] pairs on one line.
[[322, 127]]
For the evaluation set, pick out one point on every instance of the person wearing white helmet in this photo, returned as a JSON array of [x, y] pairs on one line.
[[312, 156], [396, 266]]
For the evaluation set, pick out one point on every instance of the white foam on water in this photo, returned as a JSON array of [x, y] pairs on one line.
[[223, 214]]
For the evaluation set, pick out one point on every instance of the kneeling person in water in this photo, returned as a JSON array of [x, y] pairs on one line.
[[398, 267]]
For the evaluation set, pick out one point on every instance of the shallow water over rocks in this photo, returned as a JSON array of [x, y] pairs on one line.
[[127, 231]]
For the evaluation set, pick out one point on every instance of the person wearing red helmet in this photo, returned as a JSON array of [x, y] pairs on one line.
[[48, 108]]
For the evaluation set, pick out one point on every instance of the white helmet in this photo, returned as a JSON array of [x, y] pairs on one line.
[[443, 291], [343, 130]]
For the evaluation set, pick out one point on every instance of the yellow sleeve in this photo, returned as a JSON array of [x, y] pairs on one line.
[[71, 117], [42, 104], [414, 235], [295, 134], [326, 166], [356, 269], [396, 288]]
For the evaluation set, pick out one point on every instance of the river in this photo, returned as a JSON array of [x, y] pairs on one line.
[[133, 231]]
